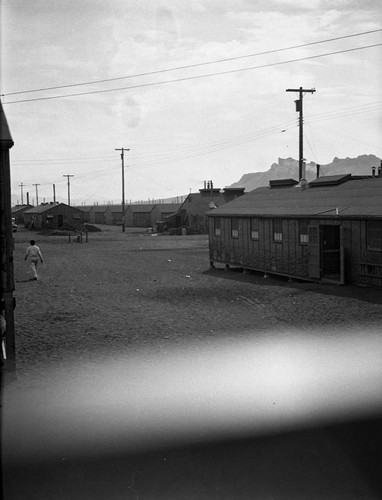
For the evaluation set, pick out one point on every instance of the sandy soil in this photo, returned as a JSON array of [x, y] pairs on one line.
[[128, 293]]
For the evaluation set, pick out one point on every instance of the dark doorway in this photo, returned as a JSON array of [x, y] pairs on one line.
[[331, 252], [60, 220]]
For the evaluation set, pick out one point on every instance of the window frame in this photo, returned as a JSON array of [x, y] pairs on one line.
[[217, 226], [303, 232], [254, 229], [235, 228], [370, 245], [277, 230]]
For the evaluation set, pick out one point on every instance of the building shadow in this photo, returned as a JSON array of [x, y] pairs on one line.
[[259, 278]]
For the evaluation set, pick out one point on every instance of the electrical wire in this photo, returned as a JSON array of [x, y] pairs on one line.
[[340, 114], [335, 132], [171, 154], [140, 162], [188, 66], [196, 77]]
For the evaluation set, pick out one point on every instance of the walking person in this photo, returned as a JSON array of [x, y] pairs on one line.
[[34, 254]]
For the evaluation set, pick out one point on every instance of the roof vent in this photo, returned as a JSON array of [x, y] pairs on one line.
[[330, 180], [282, 183]]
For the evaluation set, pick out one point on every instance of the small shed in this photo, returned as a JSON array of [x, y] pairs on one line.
[[328, 230], [53, 216]]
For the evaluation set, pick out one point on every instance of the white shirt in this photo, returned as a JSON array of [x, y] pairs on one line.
[[33, 251]]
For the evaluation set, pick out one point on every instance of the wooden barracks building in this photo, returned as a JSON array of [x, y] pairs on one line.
[[327, 230], [52, 216]]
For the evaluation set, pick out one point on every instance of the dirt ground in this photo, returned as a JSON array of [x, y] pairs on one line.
[[133, 290], [137, 292]]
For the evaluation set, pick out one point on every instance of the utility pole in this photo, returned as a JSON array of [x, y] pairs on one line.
[[299, 109], [123, 185], [22, 197], [54, 193], [68, 177], [36, 194]]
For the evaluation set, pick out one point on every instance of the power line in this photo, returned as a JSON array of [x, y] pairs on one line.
[[332, 115], [188, 66], [204, 149], [188, 78], [71, 160]]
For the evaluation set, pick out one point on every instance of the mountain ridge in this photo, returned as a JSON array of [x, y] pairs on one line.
[[287, 168]]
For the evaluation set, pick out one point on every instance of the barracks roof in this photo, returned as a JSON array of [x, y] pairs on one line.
[[198, 203], [48, 206], [168, 207], [141, 207], [344, 195]]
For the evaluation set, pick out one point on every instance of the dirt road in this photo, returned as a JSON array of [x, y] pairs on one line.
[[151, 310]]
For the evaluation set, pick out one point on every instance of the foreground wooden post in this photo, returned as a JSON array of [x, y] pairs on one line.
[[7, 283]]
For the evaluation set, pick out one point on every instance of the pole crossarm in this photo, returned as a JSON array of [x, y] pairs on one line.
[[311, 91]]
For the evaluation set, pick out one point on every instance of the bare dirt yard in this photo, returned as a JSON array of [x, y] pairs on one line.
[[133, 292]]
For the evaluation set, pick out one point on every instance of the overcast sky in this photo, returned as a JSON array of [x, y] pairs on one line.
[[187, 124]]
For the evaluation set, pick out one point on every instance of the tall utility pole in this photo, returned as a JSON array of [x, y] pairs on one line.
[[68, 177], [54, 193], [301, 121], [123, 184], [36, 194], [22, 196]]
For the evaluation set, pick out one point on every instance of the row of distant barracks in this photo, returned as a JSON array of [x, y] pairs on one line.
[[327, 230]]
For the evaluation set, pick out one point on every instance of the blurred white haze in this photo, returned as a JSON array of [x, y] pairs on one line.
[[194, 395]]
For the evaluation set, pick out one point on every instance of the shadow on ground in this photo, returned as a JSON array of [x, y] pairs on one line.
[[257, 278]]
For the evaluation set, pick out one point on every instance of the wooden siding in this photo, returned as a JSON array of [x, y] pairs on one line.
[[370, 262], [282, 257], [289, 257], [113, 217], [98, 217], [142, 219], [54, 217]]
